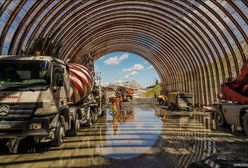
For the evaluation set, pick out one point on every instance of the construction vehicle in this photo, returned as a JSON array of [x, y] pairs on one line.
[[45, 98], [110, 93], [162, 99], [180, 101], [129, 94], [233, 108], [125, 93]]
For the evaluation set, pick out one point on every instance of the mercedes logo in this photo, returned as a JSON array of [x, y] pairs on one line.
[[4, 110]]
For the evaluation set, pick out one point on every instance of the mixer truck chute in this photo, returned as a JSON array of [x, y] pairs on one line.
[[44, 98]]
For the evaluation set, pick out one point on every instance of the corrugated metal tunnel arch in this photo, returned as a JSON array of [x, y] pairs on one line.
[[193, 45]]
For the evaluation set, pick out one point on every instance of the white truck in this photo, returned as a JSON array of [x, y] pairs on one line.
[[46, 99]]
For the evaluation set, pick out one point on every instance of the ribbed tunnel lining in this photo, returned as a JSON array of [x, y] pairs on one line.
[[193, 45]]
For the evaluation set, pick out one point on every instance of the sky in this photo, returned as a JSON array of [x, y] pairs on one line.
[[124, 66]]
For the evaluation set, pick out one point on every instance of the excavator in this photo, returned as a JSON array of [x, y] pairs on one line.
[[233, 106]]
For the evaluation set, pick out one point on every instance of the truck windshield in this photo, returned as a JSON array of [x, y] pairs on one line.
[[23, 75], [187, 98]]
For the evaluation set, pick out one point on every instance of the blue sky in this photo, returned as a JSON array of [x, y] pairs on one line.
[[124, 66]]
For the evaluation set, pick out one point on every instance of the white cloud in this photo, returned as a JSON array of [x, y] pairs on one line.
[[136, 67], [112, 61], [116, 60], [150, 67], [131, 74], [118, 81], [123, 56]]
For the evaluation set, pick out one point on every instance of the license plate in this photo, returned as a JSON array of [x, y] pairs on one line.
[[5, 126]]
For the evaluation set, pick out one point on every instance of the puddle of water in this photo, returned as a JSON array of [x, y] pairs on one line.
[[136, 131]]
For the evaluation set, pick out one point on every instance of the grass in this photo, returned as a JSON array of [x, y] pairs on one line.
[[152, 91]]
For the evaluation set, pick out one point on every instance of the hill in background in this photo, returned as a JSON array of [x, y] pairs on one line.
[[150, 92], [130, 84]]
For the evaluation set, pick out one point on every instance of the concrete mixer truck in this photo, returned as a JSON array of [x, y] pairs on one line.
[[44, 98]]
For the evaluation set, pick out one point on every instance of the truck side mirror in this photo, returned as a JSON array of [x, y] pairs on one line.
[[58, 69], [60, 80], [58, 73]]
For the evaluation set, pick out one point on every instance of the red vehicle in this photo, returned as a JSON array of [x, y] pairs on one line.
[[233, 110]]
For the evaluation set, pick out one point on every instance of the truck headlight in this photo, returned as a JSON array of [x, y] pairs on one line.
[[35, 125]]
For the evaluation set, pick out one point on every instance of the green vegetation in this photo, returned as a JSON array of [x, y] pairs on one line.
[[152, 91]]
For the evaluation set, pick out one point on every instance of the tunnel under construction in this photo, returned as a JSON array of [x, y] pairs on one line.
[[57, 111]]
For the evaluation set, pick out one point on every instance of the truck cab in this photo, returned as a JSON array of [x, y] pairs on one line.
[[34, 92]]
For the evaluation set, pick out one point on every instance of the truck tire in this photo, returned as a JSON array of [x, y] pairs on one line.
[[171, 107], [161, 102], [59, 134], [245, 124], [104, 109], [75, 126], [3, 145], [27, 145], [219, 120], [94, 115], [128, 99], [104, 113], [90, 122]]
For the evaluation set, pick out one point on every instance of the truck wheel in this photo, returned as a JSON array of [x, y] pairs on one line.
[[94, 116], [104, 113], [75, 126], [245, 124], [219, 119], [171, 107], [104, 109], [89, 122], [27, 145], [128, 99], [3, 145], [59, 135]]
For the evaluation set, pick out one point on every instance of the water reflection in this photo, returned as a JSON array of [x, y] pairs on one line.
[[121, 117], [141, 135], [192, 140], [130, 127]]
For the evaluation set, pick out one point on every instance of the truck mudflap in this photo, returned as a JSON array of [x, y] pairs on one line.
[[36, 127]]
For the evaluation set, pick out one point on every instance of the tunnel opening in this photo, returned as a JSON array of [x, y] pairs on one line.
[[119, 67]]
